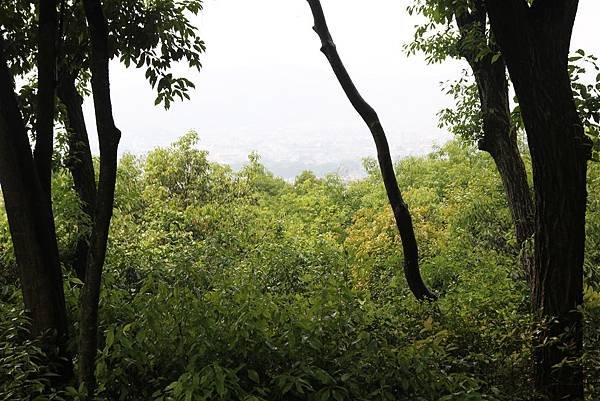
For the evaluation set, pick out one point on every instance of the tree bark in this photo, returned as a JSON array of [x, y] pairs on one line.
[[499, 136], [79, 163], [30, 220], [108, 138], [500, 141], [46, 66], [535, 42], [368, 114]]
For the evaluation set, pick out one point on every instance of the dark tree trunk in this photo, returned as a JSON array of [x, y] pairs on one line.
[[30, 220], [500, 141], [399, 208], [46, 63], [535, 43], [108, 138], [80, 164], [499, 136]]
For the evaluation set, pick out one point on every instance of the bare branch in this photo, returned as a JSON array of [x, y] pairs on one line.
[[368, 114]]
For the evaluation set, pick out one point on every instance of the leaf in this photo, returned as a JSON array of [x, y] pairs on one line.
[[75, 280], [110, 338], [428, 323], [72, 391], [325, 395], [338, 396], [220, 381], [253, 375]]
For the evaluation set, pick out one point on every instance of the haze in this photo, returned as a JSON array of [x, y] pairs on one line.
[[265, 86]]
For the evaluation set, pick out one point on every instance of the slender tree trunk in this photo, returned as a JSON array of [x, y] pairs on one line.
[[30, 220], [46, 63], [80, 164], [500, 141], [399, 207], [505, 152], [499, 136], [535, 43], [108, 138]]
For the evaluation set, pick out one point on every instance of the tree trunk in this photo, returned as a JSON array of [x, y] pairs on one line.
[[500, 141], [505, 152], [560, 181], [46, 66], [79, 163], [108, 138], [399, 207], [535, 43], [499, 136], [30, 220]]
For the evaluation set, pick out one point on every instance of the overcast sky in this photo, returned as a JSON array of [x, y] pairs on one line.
[[266, 87]]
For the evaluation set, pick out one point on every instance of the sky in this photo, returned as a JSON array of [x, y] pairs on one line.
[[266, 87]]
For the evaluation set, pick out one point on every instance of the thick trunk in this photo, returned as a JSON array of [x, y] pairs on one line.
[[30, 220], [46, 63], [560, 168], [535, 43], [108, 138], [399, 208], [80, 165]]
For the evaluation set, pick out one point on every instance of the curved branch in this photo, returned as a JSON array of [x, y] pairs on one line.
[[368, 114]]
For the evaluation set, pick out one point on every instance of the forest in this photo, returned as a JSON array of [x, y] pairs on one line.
[[469, 273]]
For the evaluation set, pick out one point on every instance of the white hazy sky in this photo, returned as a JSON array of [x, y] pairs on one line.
[[266, 87]]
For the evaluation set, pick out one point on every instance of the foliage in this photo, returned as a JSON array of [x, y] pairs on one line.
[[156, 35], [584, 70], [225, 285], [24, 370], [439, 38]]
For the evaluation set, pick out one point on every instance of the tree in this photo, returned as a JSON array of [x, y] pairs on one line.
[[108, 139], [534, 40], [461, 31], [25, 192], [168, 37], [84, 52], [368, 114]]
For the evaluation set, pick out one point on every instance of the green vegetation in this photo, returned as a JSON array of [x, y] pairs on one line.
[[223, 285]]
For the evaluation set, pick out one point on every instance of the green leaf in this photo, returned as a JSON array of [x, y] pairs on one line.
[[338, 396], [253, 375], [72, 391], [110, 338], [325, 395], [75, 280]]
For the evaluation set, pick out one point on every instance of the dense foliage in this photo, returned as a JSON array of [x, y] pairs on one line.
[[224, 285]]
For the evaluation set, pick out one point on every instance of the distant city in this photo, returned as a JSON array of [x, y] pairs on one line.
[[288, 155]]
